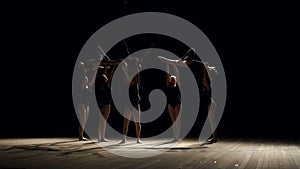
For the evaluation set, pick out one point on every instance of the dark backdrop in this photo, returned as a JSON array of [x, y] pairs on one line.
[[255, 41]]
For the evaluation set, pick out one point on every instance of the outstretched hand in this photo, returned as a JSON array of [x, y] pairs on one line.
[[212, 69]]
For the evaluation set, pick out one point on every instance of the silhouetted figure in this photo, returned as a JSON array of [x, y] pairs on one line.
[[130, 68], [208, 73], [174, 102], [88, 74], [103, 94]]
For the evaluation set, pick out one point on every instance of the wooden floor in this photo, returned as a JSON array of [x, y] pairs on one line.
[[227, 153]]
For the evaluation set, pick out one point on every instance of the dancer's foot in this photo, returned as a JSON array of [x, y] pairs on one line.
[[82, 139], [175, 140], [103, 140], [123, 141], [212, 140], [139, 141]]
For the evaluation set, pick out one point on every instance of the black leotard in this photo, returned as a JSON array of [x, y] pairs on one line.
[[173, 96], [103, 92], [104, 97]]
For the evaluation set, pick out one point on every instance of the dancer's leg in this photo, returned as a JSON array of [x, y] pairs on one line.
[[137, 119], [83, 115], [211, 117], [173, 118], [177, 120], [105, 111], [127, 116]]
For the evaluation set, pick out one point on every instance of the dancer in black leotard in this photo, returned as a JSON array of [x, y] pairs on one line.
[[88, 74], [131, 68], [174, 102], [173, 92], [103, 93], [208, 73], [103, 97]]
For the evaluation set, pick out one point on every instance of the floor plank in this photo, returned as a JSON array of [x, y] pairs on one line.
[[226, 153]]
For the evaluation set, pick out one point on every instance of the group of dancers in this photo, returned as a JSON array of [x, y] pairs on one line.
[[130, 67]]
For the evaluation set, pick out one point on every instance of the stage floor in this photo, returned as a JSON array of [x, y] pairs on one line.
[[227, 153]]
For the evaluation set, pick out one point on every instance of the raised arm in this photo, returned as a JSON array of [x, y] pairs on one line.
[[138, 79], [111, 74], [167, 74], [188, 57], [205, 80], [124, 67], [146, 53], [177, 62], [94, 75], [110, 62], [176, 74]]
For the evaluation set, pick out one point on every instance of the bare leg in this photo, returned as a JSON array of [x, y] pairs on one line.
[[137, 119], [83, 114], [178, 120], [172, 115], [81, 131], [127, 116], [105, 111], [211, 117]]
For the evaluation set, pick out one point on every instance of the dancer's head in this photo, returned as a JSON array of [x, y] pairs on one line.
[[172, 80]]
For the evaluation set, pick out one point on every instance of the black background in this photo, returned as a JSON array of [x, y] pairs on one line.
[[257, 43]]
